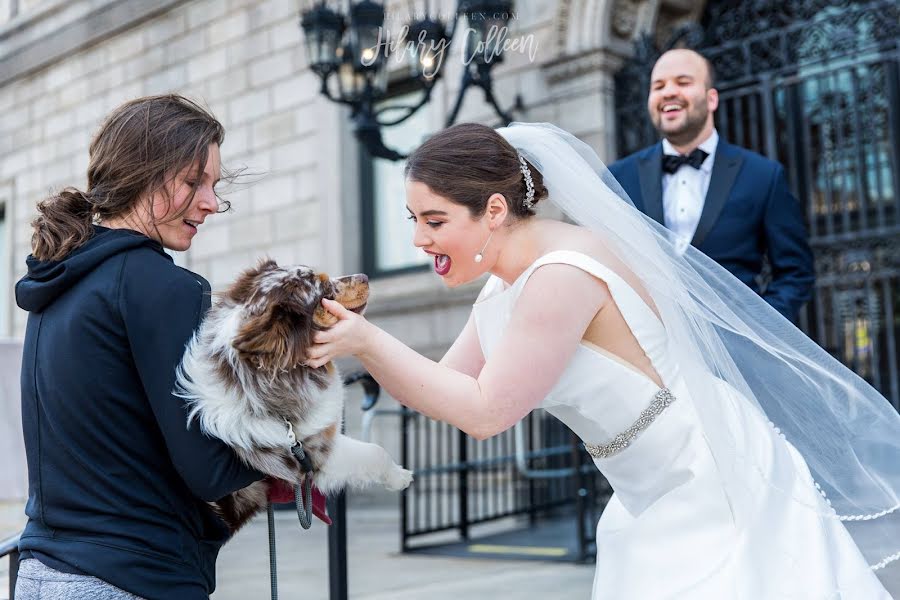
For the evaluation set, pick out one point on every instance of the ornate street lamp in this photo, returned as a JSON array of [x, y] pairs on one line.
[[356, 49]]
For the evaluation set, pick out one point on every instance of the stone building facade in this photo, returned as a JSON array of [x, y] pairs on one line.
[[65, 64]]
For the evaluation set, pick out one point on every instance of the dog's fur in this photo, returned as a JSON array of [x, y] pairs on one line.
[[244, 378]]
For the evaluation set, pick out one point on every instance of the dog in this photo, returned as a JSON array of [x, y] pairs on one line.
[[245, 381]]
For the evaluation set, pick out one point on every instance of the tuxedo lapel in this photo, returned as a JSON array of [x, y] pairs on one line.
[[726, 165], [650, 176]]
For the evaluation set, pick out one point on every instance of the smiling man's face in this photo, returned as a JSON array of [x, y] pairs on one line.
[[681, 101]]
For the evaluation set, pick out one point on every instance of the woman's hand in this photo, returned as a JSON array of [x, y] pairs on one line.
[[348, 337]]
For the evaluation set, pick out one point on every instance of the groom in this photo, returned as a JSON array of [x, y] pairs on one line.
[[732, 204]]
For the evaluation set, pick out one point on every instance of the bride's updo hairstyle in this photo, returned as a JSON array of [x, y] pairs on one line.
[[468, 163]]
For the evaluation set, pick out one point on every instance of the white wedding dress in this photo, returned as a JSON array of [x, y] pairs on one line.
[[669, 530]]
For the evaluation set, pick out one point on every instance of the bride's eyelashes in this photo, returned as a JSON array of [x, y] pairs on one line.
[[432, 224]]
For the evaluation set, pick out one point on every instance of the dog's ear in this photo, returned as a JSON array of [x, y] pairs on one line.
[[272, 339], [262, 334], [246, 282], [257, 336], [266, 264]]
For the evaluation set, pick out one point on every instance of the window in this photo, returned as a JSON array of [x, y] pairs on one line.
[[387, 233]]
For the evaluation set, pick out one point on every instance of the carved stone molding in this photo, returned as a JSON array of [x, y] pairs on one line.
[[570, 67], [624, 18], [563, 13], [24, 49]]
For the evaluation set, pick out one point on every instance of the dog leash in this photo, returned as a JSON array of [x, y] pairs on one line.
[[273, 567], [302, 501]]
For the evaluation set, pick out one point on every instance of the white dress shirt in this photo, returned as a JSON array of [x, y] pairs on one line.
[[684, 193]]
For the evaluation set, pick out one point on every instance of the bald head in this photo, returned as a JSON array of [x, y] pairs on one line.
[[686, 61], [682, 100]]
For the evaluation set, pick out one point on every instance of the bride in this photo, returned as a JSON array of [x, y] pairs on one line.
[[746, 462]]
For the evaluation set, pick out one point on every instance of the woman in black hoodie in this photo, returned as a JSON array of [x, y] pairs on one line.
[[118, 483]]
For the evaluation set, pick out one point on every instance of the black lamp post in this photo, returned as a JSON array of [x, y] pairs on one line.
[[487, 21], [356, 48]]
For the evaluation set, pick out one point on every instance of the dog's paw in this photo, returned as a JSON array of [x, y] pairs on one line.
[[398, 479]]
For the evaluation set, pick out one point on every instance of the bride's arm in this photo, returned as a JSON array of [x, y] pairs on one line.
[[546, 326], [465, 354]]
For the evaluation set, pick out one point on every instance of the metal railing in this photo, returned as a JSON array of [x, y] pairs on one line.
[[10, 547], [538, 470]]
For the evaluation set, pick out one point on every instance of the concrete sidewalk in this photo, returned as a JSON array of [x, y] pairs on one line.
[[377, 571]]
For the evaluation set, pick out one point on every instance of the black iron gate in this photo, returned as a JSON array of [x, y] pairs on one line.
[[814, 84], [536, 471]]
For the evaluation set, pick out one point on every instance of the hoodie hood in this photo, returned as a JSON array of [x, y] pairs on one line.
[[48, 280]]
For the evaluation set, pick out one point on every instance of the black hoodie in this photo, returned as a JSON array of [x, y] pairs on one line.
[[118, 483]]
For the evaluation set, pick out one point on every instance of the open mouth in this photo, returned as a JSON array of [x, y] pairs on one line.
[[671, 108], [192, 224], [442, 264]]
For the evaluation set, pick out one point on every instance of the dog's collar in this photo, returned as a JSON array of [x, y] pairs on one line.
[[295, 447], [291, 436]]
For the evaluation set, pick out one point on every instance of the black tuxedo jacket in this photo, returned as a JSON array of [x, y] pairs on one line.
[[748, 213]]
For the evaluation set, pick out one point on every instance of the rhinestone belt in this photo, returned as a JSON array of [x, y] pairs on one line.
[[660, 402]]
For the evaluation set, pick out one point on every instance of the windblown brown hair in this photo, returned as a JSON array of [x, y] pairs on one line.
[[139, 148]]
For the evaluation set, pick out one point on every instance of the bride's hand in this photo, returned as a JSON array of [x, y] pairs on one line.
[[347, 337]]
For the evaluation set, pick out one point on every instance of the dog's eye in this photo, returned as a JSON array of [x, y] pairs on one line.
[[329, 290]]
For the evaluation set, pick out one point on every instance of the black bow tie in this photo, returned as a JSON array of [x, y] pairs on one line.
[[671, 163]]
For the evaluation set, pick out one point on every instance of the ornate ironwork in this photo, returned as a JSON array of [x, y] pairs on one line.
[[354, 50], [747, 40], [814, 84]]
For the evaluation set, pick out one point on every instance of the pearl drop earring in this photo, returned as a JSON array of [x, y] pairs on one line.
[[480, 256]]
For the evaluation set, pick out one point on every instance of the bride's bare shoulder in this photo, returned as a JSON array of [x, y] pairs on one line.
[[583, 240], [566, 236]]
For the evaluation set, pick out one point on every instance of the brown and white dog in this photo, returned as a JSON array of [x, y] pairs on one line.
[[244, 378]]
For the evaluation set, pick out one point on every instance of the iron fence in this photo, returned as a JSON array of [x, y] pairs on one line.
[[815, 85]]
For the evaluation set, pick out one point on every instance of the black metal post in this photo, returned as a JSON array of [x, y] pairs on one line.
[[892, 75], [337, 510], [337, 547], [463, 487], [404, 495], [581, 494], [13, 573], [532, 491], [10, 547]]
